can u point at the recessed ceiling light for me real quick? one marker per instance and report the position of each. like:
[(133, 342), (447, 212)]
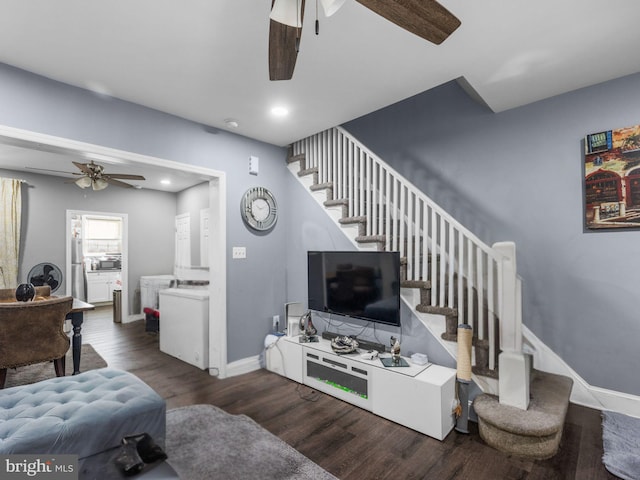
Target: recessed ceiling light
[(165, 182), (279, 111)]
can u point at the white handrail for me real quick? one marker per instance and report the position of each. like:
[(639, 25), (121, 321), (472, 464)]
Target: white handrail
[(465, 274)]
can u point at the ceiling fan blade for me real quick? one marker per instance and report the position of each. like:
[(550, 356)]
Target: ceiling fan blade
[(123, 176), (425, 18), (84, 168), (118, 183), (50, 170), (283, 48)]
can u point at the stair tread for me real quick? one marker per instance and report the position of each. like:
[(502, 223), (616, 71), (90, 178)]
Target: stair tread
[(546, 413), (370, 238), (321, 186), (415, 284), (485, 372), (350, 220), (437, 310), (308, 171), (338, 202), (296, 158)]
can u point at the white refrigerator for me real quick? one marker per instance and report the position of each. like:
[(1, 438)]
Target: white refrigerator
[(78, 274)]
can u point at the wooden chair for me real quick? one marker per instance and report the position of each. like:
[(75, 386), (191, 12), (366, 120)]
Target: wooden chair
[(32, 332)]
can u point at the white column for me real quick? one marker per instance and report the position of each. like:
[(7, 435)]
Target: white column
[(514, 366)]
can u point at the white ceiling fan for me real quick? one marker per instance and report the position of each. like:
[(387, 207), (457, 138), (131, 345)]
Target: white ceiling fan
[(93, 175)]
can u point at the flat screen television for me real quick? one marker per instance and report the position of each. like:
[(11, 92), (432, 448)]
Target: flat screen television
[(357, 284)]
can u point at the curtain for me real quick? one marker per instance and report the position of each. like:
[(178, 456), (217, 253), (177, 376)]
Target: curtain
[(11, 207)]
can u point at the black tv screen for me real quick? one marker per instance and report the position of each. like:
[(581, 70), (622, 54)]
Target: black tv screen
[(357, 284)]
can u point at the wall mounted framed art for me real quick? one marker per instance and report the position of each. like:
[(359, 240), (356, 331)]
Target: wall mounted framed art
[(612, 179)]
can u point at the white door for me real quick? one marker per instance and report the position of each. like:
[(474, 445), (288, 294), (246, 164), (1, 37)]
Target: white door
[(183, 241)]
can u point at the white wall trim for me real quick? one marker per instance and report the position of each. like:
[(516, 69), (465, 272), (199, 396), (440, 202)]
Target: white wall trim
[(217, 205), (90, 151), (582, 393), (244, 365), (124, 273), (134, 317)]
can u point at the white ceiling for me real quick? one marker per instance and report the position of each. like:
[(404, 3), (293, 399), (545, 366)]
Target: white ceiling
[(206, 60)]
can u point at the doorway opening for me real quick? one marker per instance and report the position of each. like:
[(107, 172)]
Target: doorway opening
[(97, 262), (217, 216)]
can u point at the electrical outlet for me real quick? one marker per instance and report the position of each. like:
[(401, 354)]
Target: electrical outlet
[(239, 252)]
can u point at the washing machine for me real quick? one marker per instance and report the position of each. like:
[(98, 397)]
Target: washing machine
[(150, 285), (184, 325)]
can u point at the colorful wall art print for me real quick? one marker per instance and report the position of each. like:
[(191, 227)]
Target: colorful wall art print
[(612, 179)]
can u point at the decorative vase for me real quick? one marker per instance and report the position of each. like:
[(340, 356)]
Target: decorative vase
[(25, 292)]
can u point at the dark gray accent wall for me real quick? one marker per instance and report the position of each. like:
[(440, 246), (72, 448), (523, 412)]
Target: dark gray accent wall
[(518, 176), (255, 285)]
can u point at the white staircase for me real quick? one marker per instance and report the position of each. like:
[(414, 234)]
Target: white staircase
[(448, 272)]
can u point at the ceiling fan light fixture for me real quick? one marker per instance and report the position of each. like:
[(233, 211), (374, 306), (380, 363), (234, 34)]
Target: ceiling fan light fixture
[(331, 6), (99, 184), (287, 12), (83, 182)]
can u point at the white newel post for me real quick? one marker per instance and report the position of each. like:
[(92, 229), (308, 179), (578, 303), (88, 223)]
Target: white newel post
[(514, 365)]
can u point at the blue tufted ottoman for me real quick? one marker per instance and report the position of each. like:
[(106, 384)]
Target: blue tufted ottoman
[(86, 415)]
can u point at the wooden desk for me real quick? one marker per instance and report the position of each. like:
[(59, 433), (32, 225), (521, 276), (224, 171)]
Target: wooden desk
[(76, 315)]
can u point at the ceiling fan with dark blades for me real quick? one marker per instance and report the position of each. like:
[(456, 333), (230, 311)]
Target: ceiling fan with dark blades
[(93, 175), (425, 18)]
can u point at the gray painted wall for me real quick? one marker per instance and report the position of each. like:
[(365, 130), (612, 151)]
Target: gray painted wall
[(518, 176), (255, 285), (46, 200)]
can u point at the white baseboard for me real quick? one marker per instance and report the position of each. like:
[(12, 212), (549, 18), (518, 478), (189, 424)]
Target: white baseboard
[(245, 365), (133, 318), (582, 393)]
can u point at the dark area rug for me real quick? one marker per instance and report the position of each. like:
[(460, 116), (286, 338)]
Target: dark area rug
[(621, 442), (204, 442), (89, 360)]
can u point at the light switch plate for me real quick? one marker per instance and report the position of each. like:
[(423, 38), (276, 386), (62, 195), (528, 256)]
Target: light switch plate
[(239, 252), (253, 165)]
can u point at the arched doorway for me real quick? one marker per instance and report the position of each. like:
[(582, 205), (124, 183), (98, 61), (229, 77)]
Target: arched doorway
[(603, 187), (633, 188)]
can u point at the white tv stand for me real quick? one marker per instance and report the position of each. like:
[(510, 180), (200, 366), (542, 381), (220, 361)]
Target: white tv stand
[(418, 396)]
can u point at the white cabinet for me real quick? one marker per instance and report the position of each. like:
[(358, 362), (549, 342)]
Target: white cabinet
[(100, 286), (184, 325), (417, 396), (285, 358), (423, 402)]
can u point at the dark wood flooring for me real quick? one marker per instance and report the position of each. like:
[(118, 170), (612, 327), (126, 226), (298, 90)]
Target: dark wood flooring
[(349, 442)]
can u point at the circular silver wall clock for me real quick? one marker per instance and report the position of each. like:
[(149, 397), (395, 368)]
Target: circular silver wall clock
[(259, 209)]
